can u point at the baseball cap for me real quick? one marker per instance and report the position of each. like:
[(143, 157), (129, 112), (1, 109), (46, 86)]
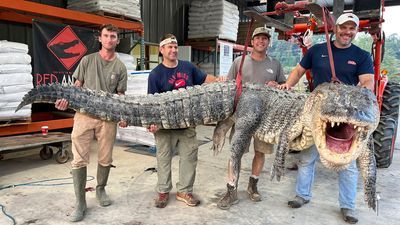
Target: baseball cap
[(347, 17), (261, 30)]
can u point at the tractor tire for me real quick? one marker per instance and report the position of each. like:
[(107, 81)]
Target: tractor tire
[(391, 100), (385, 133), (384, 140)]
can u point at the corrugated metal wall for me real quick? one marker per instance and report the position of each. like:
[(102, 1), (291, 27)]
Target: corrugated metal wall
[(165, 16)]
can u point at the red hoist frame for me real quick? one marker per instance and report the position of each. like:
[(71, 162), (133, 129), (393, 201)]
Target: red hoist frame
[(282, 7)]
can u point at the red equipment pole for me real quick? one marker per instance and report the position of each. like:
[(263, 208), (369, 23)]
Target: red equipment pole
[(328, 43), (239, 75)]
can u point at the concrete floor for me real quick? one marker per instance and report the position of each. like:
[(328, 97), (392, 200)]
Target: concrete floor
[(132, 192)]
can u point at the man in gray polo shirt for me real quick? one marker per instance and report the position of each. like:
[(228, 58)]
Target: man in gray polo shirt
[(258, 67)]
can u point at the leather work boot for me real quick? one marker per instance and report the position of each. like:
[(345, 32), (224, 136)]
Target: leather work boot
[(230, 198), (162, 200), (349, 215), (102, 178), (187, 198), (297, 202), (252, 190), (79, 178)]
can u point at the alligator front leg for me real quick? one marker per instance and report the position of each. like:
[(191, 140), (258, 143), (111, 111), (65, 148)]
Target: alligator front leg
[(367, 166), (219, 134)]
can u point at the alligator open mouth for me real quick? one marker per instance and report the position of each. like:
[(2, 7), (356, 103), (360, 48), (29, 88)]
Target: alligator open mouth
[(339, 136)]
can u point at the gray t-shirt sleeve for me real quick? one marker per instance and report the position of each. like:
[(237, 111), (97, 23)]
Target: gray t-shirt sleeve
[(280, 76), (234, 69), (123, 80), (80, 70)]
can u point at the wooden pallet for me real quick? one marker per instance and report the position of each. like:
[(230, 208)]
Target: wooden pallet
[(12, 122), (207, 39), (116, 16)]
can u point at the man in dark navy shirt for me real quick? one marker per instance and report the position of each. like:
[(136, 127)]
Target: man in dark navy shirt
[(353, 66), (169, 75)]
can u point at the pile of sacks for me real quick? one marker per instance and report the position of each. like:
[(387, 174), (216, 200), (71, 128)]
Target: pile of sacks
[(128, 60), (15, 80), (127, 8), (213, 18)]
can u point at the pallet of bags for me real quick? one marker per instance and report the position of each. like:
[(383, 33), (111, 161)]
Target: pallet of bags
[(137, 86), (115, 8), (128, 60), (213, 18), (15, 80)]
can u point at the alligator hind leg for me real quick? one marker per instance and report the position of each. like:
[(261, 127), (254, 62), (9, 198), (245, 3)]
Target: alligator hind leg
[(248, 114), (248, 117)]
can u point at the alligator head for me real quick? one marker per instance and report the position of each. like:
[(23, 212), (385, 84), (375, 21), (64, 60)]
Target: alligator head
[(342, 119)]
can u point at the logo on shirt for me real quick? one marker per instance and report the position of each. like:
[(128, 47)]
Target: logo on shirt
[(324, 56), (113, 75), (269, 70), (179, 80), (351, 62), (180, 83)]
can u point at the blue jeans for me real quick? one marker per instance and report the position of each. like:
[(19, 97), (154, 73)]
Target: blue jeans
[(305, 178)]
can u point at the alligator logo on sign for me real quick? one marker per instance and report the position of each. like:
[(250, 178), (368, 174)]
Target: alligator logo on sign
[(67, 47)]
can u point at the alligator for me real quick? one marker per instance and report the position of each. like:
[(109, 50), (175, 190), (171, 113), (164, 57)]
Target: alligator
[(329, 117)]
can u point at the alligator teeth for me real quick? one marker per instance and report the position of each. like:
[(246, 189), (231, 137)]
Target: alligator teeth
[(355, 127), (359, 129), (332, 124)]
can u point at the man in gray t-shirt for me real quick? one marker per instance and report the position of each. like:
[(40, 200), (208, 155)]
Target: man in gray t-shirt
[(262, 69), (101, 71)]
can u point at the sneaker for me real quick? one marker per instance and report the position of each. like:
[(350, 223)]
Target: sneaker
[(297, 202), (162, 200), (188, 198), (349, 215)]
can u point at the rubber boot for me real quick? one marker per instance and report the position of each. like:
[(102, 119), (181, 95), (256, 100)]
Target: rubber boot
[(252, 190), (230, 198), (79, 178), (102, 178)]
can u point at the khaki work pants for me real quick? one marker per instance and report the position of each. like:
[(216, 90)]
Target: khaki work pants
[(85, 130), (186, 142)]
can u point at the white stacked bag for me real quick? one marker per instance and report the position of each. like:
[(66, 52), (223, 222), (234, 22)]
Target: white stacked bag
[(137, 86), (213, 18), (15, 80), (128, 60), (128, 8)]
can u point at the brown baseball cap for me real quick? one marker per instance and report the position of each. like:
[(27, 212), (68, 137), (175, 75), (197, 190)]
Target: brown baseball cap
[(261, 30)]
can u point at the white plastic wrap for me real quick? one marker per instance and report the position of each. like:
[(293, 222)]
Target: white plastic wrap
[(213, 18), (14, 58), (128, 60), (9, 46), (15, 80), (128, 8), (15, 68), (137, 85)]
